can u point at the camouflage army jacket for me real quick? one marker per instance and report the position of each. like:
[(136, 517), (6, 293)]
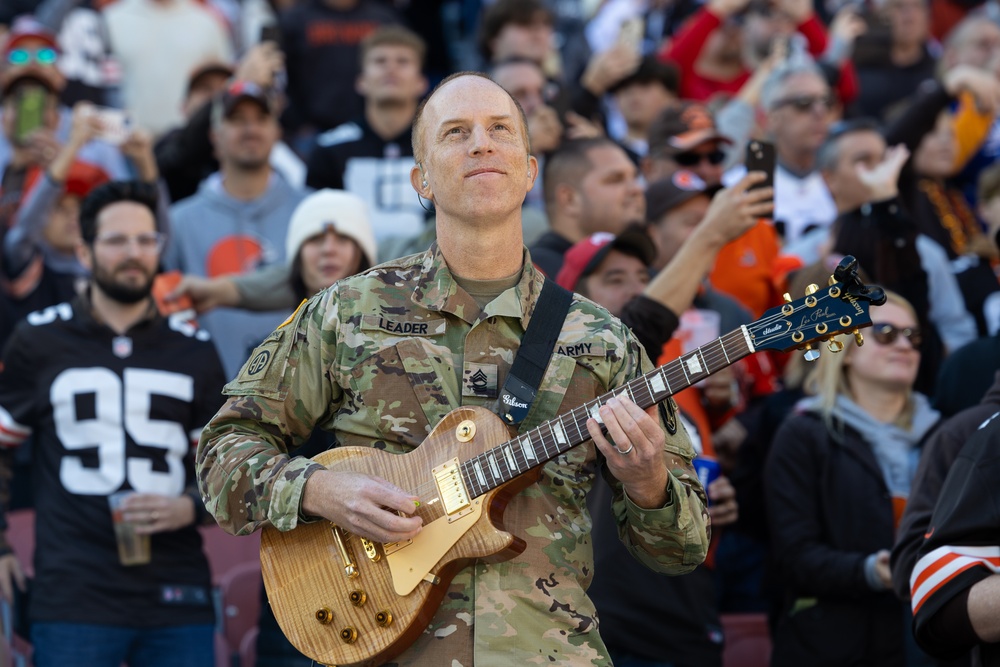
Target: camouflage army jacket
[(379, 359)]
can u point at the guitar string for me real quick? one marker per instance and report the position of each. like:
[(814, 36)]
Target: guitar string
[(672, 373)]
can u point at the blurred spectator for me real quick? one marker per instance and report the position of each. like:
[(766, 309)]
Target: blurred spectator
[(975, 41), (109, 361), (955, 582), (686, 138), (91, 71), (723, 42), (320, 39), (157, 44), (238, 220), (185, 155), (798, 106), (329, 237), (940, 453), (873, 226), (34, 123), (838, 476), (640, 98), (937, 208), (643, 618), (885, 79), (520, 29), (590, 185), (372, 155)]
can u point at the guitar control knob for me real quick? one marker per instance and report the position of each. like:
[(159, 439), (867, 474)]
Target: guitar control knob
[(324, 616), (812, 354), (349, 635), (835, 346), (384, 618), (358, 598), (858, 338)]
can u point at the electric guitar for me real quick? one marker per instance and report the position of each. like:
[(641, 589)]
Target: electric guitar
[(344, 600)]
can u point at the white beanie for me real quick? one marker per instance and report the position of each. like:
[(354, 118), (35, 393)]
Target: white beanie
[(345, 212)]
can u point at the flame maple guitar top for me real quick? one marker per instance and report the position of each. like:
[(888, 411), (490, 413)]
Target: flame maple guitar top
[(304, 569)]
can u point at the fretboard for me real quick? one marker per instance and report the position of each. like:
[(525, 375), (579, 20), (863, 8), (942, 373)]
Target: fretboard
[(543, 443)]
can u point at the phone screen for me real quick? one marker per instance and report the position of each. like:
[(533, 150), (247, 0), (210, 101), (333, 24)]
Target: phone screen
[(29, 112), (270, 33)]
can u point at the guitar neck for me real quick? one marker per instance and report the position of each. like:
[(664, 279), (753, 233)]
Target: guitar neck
[(543, 443)]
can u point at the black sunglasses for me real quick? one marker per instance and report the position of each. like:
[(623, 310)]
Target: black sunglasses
[(886, 334), (804, 103), (691, 159)]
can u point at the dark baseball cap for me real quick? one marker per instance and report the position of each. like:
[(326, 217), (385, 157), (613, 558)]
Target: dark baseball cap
[(681, 128), (239, 91), (585, 256), (669, 193)]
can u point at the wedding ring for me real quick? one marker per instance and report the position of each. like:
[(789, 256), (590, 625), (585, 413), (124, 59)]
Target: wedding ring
[(625, 451)]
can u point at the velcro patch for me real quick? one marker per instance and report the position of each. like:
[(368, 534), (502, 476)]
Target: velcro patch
[(403, 326), (479, 380), (595, 349)]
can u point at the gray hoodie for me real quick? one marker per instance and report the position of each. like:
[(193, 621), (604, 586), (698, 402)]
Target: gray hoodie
[(215, 234)]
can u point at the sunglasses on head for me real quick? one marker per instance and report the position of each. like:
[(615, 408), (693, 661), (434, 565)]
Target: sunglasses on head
[(43, 56), (886, 334), (804, 103), (691, 159)]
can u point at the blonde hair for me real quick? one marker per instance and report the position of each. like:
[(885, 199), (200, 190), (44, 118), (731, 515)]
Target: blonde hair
[(828, 378)]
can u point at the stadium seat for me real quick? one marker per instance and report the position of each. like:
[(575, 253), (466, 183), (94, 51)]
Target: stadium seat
[(248, 648), (225, 551), (240, 593), (748, 640)]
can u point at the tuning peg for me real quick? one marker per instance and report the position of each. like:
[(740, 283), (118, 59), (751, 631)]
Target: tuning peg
[(812, 288), (831, 282), (835, 346), (811, 353), (858, 338), (787, 297)]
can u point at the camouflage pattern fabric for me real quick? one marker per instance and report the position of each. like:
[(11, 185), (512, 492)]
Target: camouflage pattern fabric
[(379, 359)]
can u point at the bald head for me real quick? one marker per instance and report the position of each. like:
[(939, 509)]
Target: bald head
[(432, 103)]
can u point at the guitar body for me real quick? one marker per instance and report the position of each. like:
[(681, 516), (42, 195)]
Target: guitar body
[(304, 570)]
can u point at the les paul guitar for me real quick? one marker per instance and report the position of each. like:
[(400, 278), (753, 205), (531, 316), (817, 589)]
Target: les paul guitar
[(343, 600)]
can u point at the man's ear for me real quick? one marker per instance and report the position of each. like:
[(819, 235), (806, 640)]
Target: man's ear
[(419, 182), (532, 171)]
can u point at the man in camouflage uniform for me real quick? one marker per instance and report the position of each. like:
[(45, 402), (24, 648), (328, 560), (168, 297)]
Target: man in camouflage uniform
[(381, 357)]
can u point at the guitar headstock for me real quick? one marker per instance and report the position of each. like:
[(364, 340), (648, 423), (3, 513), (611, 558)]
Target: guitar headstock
[(820, 315)]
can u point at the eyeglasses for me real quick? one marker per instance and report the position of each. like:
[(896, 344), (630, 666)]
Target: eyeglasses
[(690, 159), (43, 56), (148, 243), (886, 334), (805, 103)]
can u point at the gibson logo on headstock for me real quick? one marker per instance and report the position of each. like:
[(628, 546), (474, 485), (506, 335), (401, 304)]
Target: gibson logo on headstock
[(854, 302)]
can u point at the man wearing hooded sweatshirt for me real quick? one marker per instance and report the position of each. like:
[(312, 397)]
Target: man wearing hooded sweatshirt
[(238, 220)]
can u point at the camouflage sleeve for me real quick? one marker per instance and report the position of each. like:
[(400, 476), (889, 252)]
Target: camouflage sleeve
[(245, 473), (674, 538)]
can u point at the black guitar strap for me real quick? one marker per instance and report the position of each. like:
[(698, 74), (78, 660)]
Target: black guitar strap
[(533, 356)]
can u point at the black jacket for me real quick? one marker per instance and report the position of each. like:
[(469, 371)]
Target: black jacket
[(828, 509)]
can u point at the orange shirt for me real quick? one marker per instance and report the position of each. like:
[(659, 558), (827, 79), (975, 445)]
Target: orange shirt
[(745, 268)]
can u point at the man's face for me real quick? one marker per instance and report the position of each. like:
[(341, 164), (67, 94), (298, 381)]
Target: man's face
[(641, 103), (244, 139), (615, 281), (32, 57), (909, 20), (675, 226), (979, 47), (857, 149), (474, 152), (525, 83), (123, 259), (391, 73), (801, 116), (532, 41), (611, 196), (62, 231), (704, 160)]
